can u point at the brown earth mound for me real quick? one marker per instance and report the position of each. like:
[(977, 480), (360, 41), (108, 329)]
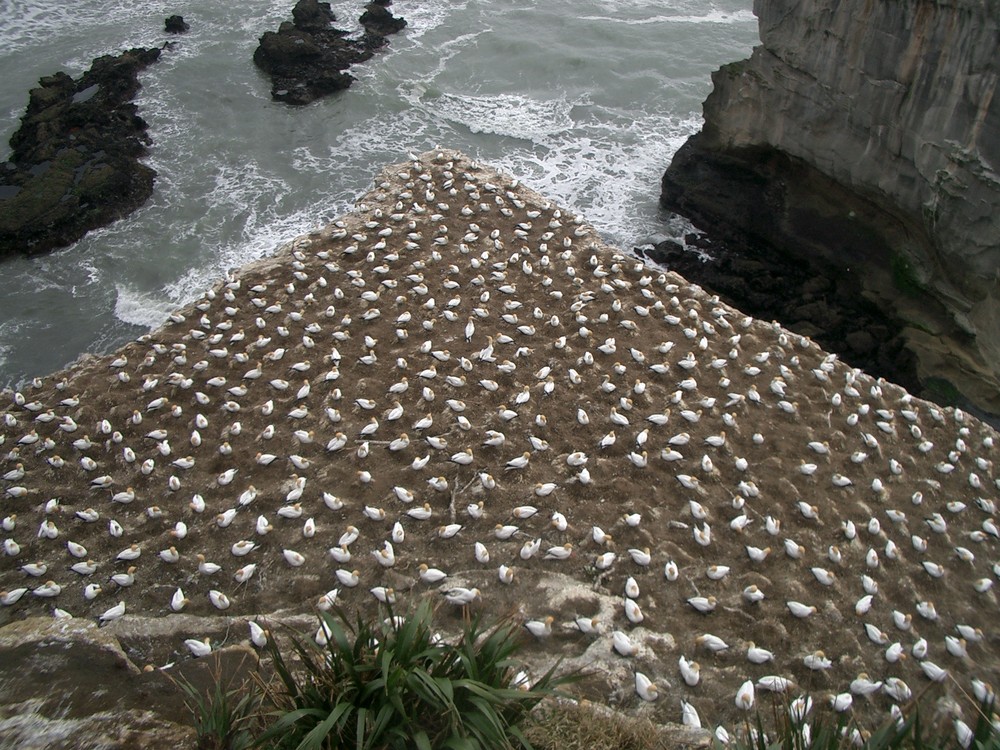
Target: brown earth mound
[(460, 375)]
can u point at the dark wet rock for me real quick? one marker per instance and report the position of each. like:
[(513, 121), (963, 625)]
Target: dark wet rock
[(812, 298), (176, 25), (308, 58), (866, 133), (378, 20), (313, 16), (74, 164)]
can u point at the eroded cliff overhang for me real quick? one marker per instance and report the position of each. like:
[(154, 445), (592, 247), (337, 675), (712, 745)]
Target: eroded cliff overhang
[(892, 105)]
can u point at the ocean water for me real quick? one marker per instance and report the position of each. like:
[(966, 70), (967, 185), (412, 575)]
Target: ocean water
[(585, 100)]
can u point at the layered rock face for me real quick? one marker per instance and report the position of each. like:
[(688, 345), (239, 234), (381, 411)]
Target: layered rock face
[(867, 133)]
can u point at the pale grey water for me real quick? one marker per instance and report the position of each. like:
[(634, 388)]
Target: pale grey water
[(585, 100)]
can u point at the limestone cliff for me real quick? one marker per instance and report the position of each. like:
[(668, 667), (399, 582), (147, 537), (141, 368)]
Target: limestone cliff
[(868, 132)]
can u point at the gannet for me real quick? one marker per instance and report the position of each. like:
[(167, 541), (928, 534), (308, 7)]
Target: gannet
[(113, 613), (745, 696), (623, 644), (689, 715), (258, 636), (645, 687), (462, 596), (540, 628), (690, 671), (198, 648)]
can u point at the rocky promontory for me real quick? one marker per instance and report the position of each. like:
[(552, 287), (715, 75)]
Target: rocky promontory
[(74, 164), (308, 58), (457, 392), (865, 135)]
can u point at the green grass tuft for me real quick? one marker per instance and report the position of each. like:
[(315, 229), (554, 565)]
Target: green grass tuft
[(794, 728), (396, 684), (224, 713)]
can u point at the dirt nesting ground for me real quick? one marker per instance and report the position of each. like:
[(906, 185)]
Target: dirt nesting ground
[(371, 391)]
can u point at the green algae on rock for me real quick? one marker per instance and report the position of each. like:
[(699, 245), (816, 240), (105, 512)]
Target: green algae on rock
[(75, 164)]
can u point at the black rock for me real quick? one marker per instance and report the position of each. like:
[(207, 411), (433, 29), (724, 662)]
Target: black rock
[(74, 164), (309, 57), (176, 25), (378, 20), (810, 298), (313, 16)]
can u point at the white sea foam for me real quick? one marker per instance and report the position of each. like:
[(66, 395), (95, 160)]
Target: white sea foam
[(422, 16), (504, 114), (378, 141), (264, 16), (140, 309), (26, 23), (261, 241), (92, 271), (240, 175), (10, 337), (605, 170), (714, 16), (413, 85)]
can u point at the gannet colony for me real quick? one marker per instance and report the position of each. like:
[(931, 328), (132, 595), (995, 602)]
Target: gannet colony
[(458, 391)]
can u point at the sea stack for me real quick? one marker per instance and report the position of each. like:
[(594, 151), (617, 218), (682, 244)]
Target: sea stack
[(176, 25), (309, 57)]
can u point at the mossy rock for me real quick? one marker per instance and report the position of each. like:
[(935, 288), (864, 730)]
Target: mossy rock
[(74, 164), (904, 277)]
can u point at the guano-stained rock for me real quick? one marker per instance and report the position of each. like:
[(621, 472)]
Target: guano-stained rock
[(68, 684), (460, 376)]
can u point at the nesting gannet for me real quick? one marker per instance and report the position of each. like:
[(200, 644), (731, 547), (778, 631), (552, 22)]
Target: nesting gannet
[(758, 655), (461, 596), (745, 696), (623, 644), (114, 613), (645, 687), (641, 557), (198, 648), (800, 610), (703, 604), (540, 628), (258, 635), (690, 671), (689, 715), (711, 642)]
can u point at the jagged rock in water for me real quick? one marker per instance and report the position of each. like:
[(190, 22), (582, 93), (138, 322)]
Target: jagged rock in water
[(308, 59), (75, 164), (815, 299), (379, 21), (313, 16), (866, 133), (176, 25)]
